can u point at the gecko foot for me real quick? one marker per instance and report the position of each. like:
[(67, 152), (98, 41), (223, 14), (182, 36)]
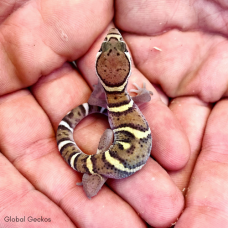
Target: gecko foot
[(98, 96), (92, 184), (143, 95)]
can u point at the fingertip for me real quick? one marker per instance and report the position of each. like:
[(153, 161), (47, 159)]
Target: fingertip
[(152, 194), (170, 143)]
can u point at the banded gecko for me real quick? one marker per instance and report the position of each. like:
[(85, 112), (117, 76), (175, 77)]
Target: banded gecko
[(131, 147)]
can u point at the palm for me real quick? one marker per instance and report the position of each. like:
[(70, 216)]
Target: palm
[(37, 39)]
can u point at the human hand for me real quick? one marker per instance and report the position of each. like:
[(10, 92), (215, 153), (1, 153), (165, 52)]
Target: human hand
[(191, 70), (32, 48)]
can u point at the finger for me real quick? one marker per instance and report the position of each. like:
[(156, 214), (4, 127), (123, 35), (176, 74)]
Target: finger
[(151, 193), (20, 202), (207, 201), (113, 211), (37, 39), (180, 62), (192, 114), (181, 74), (6, 8), (137, 16)]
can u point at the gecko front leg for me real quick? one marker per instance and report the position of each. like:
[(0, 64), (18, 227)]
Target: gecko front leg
[(143, 95)]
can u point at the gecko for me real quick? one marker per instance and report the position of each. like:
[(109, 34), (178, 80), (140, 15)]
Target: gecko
[(123, 149)]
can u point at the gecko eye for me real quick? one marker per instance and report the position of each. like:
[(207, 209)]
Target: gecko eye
[(106, 39), (123, 47), (104, 47)]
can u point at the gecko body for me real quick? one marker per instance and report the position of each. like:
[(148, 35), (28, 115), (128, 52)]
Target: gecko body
[(132, 143)]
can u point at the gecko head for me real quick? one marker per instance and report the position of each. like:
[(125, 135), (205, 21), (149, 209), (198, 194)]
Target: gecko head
[(113, 64)]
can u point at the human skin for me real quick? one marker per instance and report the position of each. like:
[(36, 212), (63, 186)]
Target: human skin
[(179, 48)]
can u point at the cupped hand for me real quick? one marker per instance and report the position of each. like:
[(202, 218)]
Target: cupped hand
[(185, 61), (181, 46)]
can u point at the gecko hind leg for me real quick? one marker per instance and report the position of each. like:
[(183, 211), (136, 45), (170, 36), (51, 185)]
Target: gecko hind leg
[(93, 183)]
